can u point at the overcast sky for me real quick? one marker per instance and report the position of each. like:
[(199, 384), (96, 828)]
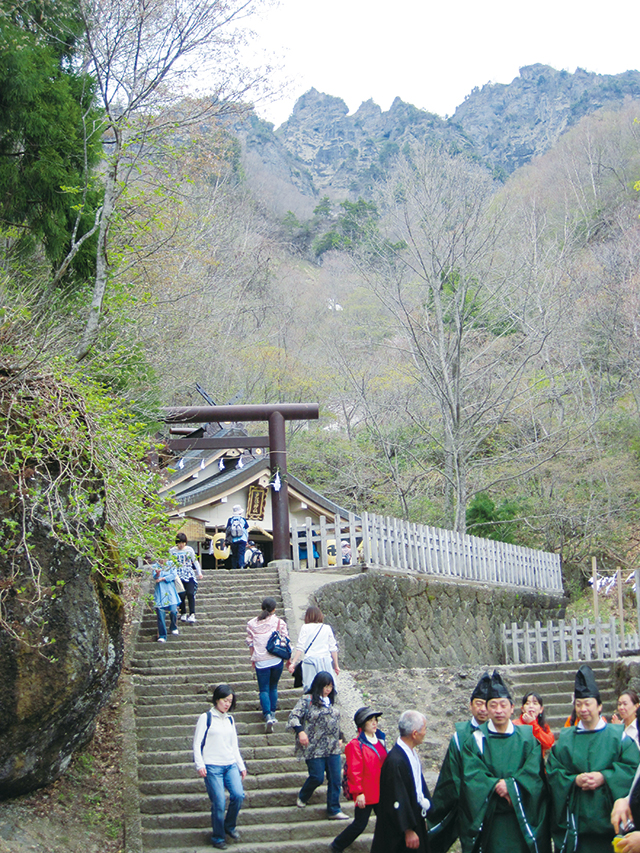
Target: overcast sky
[(433, 54)]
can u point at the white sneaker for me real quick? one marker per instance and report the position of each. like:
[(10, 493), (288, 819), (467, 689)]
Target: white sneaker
[(192, 617), (300, 804), (161, 640), (338, 816), (175, 631), (184, 617)]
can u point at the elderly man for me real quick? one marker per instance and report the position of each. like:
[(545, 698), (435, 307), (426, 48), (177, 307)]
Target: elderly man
[(591, 765), (444, 812), (404, 796)]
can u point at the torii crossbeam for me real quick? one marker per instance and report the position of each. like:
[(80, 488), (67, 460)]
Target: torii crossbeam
[(276, 415)]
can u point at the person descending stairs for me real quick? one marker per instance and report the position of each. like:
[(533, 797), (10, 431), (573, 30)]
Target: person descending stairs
[(173, 684)]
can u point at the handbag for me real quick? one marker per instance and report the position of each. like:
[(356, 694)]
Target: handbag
[(297, 670), (178, 585), (279, 645)]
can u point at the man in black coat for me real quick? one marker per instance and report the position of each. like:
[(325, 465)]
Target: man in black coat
[(404, 796)]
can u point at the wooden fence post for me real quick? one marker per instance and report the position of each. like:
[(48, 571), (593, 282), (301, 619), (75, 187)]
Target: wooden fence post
[(620, 606)]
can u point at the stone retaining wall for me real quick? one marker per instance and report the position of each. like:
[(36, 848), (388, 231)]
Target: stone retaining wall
[(387, 619)]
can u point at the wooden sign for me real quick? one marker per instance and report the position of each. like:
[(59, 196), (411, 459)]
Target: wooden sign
[(256, 503)]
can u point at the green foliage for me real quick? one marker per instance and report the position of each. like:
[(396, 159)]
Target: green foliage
[(355, 226), (74, 454), (486, 520), (50, 134)]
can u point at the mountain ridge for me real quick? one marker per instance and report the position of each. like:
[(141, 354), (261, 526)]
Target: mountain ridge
[(321, 149)]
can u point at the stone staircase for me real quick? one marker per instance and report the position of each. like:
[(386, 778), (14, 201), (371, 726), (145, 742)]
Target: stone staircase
[(173, 683), (555, 682)]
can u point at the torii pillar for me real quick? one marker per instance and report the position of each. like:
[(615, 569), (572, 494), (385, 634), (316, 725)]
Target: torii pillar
[(276, 415)]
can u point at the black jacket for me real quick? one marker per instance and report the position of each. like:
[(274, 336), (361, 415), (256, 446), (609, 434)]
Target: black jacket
[(398, 809)]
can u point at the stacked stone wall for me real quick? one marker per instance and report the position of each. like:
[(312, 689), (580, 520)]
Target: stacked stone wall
[(384, 620)]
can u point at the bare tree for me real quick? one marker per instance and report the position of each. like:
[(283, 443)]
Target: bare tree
[(465, 308), (142, 53)]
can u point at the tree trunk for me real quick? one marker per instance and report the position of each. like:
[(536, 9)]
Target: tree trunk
[(102, 263)]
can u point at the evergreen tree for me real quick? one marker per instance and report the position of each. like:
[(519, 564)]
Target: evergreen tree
[(50, 134)]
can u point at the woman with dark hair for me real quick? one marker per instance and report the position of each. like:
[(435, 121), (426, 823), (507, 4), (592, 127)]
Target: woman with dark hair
[(218, 761), (316, 647), (316, 722), (188, 567), (532, 714), (628, 706), (268, 667), (365, 755)]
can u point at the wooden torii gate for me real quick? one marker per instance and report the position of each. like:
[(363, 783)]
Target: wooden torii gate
[(275, 415)]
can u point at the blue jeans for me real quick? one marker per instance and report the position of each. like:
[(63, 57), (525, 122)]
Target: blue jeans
[(268, 678), (162, 625), (332, 764), (217, 779)]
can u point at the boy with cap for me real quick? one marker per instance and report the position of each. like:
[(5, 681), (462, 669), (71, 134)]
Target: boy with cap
[(503, 797), (591, 765), (444, 813), (365, 755)]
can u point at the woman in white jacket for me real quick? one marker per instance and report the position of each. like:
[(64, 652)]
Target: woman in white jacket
[(268, 667), (317, 645), (218, 761)]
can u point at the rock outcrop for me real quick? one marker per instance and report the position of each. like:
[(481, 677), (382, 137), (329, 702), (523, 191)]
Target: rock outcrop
[(508, 124), (322, 150), (61, 643)]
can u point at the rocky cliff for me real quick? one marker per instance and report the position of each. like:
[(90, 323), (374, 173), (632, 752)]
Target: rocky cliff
[(61, 617), (322, 150)]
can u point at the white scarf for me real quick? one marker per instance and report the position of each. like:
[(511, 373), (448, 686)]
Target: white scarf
[(414, 760)]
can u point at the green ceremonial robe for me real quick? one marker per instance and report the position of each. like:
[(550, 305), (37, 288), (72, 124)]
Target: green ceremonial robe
[(488, 823), (443, 816), (581, 819)]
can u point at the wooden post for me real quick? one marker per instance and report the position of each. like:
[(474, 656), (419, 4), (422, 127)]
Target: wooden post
[(637, 574), (594, 574), (620, 606)]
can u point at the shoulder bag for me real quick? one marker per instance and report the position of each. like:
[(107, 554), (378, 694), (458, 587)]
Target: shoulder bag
[(297, 670), (279, 645)]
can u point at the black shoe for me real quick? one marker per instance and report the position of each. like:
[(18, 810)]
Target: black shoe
[(220, 845), (233, 833)]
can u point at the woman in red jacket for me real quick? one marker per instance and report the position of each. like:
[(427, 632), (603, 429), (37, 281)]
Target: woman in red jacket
[(364, 754), (533, 715)]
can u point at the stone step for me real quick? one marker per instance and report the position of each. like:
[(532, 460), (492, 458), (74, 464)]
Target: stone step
[(190, 802), (208, 668), (180, 738), (266, 836), (244, 680), (199, 704), (182, 766), (192, 784), (270, 746), (173, 725), (295, 844), (315, 811), (148, 694)]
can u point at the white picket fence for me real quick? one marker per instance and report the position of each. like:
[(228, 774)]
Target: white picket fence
[(565, 641), (390, 542)]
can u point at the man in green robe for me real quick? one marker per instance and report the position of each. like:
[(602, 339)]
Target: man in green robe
[(503, 796), (591, 765), (443, 815)]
